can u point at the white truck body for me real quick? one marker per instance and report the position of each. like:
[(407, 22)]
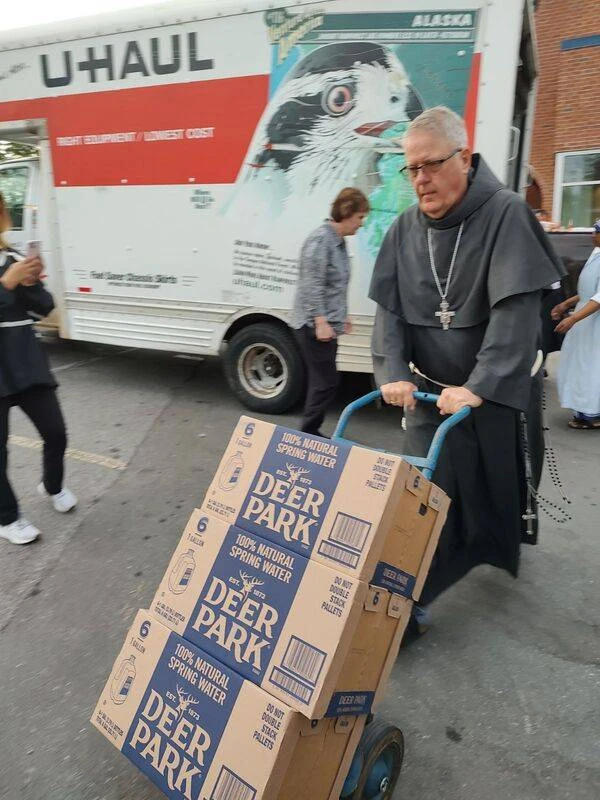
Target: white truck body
[(188, 148)]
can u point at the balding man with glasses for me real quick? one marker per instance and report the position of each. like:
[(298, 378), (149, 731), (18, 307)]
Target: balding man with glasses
[(458, 285)]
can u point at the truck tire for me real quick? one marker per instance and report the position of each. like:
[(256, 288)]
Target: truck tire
[(264, 368)]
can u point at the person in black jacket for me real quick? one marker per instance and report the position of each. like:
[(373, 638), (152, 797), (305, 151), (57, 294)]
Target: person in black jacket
[(26, 381)]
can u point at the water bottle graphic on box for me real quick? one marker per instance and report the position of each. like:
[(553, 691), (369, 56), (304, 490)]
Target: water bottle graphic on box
[(230, 474), (181, 574), (123, 681)]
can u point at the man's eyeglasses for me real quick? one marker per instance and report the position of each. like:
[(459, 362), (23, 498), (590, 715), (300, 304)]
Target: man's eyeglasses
[(430, 166)]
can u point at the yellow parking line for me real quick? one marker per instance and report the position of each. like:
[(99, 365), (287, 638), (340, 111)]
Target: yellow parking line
[(76, 455)]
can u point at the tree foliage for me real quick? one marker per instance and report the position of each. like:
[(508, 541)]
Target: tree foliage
[(12, 150)]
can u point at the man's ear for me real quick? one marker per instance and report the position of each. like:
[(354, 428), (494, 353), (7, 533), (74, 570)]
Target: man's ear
[(465, 156)]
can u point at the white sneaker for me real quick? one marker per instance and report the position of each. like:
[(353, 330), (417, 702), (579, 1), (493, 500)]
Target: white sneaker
[(19, 532), (64, 501)]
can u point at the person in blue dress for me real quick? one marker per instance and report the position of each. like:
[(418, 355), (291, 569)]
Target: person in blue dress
[(579, 368)]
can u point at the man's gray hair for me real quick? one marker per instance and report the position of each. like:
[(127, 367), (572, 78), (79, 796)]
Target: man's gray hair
[(441, 121)]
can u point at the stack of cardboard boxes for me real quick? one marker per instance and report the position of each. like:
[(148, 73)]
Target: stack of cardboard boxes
[(277, 622)]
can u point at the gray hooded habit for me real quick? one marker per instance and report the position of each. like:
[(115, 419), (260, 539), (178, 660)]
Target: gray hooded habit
[(503, 262)]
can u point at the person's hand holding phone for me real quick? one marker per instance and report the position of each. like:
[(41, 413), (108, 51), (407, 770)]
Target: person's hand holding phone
[(33, 255), (34, 271), (22, 273)]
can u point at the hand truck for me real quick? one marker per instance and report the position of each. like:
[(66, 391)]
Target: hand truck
[(376, 765)]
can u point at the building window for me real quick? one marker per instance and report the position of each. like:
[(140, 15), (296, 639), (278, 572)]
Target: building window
[(13, 185), (577, 194)]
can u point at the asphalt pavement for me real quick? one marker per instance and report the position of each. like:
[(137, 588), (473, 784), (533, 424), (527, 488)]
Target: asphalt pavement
[(500, 699)]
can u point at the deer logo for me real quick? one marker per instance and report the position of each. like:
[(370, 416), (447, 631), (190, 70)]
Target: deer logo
[(184, 702), (296, 473), (248, 583)]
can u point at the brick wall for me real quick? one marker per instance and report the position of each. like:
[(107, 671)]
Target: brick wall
[(567, 113)]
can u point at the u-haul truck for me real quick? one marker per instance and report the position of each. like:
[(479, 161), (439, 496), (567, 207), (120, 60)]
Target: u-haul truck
[(187, 149)]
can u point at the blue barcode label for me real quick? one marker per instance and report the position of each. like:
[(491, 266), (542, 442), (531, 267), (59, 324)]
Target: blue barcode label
[(304, 660), (350, 531), (292, 686), (339, 554), (230, 786), (300, 669)]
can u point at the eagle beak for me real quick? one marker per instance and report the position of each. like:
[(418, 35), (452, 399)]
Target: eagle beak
[(374, 128)]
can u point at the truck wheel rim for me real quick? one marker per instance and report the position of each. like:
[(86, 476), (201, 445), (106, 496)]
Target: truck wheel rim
[(262, 370)]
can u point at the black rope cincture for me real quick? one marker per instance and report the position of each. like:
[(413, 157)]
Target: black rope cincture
[(556, 511)]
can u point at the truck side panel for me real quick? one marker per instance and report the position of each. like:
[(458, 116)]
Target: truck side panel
[(191, 160)]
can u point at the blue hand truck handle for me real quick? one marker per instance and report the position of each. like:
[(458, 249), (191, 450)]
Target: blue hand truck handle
[(428, 464)]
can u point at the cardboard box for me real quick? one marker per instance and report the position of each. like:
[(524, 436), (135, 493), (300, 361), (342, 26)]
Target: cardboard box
[(368, 513), (322, 758), (199, 730), (312, 636)]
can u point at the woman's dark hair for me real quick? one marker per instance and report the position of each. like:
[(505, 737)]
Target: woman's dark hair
[(349, 202)]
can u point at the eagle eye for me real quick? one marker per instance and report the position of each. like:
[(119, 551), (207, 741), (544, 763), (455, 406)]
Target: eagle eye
[(338, 100)]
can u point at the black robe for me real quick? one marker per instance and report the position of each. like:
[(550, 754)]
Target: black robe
[(503, 262)]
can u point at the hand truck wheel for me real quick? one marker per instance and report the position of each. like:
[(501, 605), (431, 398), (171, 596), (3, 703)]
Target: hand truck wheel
[(377, 763)]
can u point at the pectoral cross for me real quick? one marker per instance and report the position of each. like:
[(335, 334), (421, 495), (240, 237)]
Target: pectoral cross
[(445, 314)]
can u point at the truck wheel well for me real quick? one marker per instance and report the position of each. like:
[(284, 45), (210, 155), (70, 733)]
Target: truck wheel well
[(252, 319)]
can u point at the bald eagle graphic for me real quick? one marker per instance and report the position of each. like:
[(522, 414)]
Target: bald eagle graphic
[(322, 130)]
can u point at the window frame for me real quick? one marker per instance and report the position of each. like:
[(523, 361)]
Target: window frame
[(5, 167), (559, 184)]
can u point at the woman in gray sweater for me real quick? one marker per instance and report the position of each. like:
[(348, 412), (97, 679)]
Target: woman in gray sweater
[(321, 304)]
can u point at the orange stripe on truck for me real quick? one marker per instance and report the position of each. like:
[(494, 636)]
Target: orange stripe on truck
[(196, 132)]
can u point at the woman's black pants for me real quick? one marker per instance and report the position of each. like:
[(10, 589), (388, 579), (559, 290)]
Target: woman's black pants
[(41, 406), (323, 378)]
